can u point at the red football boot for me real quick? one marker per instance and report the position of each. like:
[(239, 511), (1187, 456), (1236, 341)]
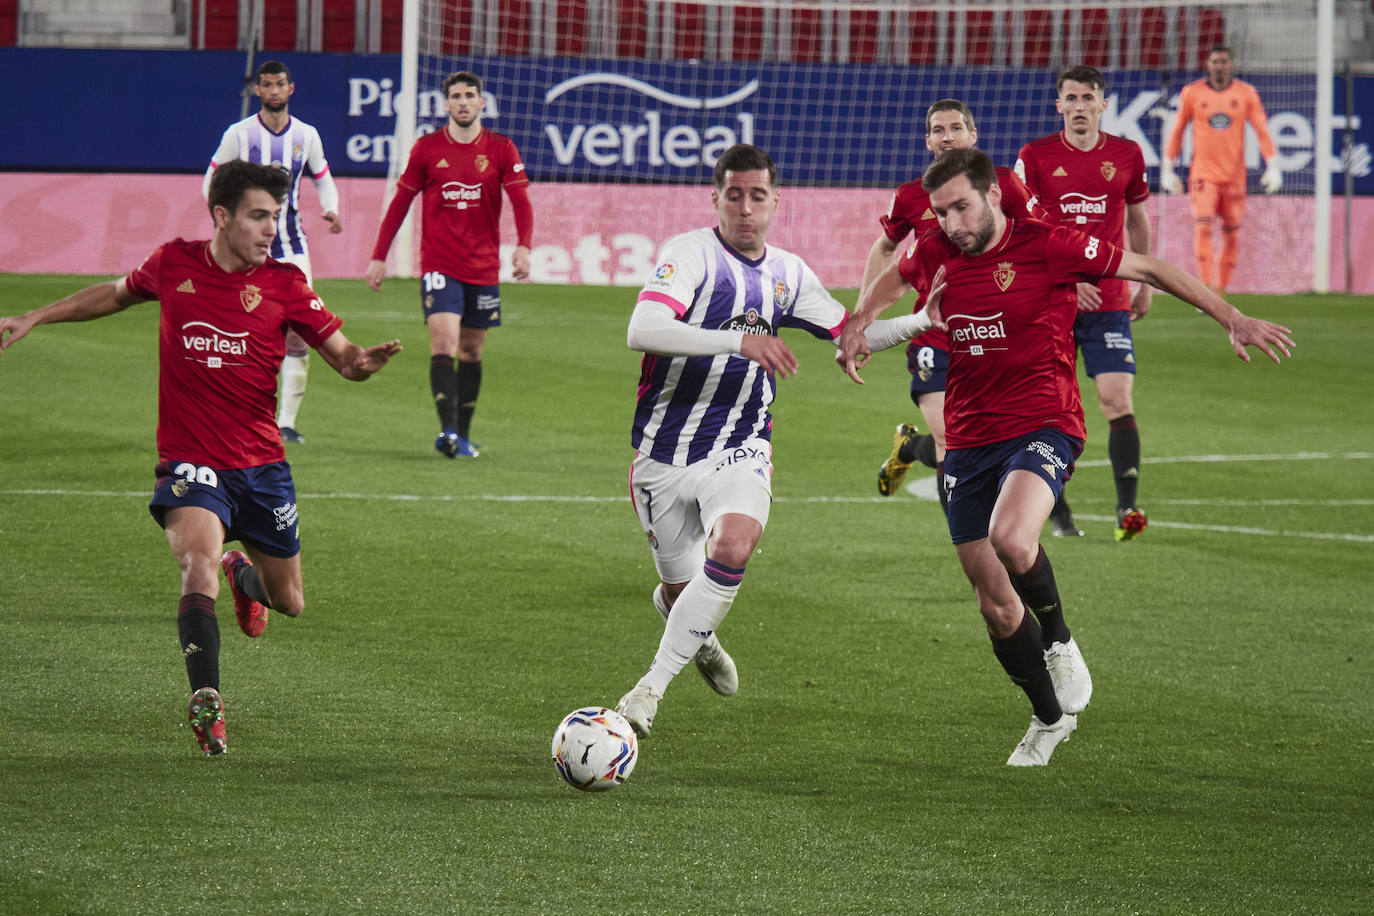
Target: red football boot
[(252, 615)]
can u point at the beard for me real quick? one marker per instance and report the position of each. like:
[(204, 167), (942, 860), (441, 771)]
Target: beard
[(976, 241), (274, 107)]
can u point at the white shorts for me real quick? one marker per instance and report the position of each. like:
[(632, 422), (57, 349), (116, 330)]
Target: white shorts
[(302, 261), (677, 506)]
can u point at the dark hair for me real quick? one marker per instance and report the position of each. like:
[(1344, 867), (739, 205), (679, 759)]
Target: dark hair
[(472, 79), (1221, 49), (950, 105), (971, 162), (270, 67), (237, 177), (745, 157), (1088, 76)]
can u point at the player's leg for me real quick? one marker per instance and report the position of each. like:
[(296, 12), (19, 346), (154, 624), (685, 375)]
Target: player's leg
[(927, 366), (932, 407), (267, 572), (1232, 212), (294, 369), (1109, 360), (1205, 200), (196, 537), (481, 313)]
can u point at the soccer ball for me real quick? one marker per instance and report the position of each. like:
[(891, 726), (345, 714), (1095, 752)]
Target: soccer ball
[(594, 749)]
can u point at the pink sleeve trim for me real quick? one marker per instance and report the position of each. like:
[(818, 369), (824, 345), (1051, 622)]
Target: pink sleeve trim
[(678, 308)]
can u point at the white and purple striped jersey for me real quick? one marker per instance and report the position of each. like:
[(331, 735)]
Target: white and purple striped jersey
[(692, 408), (297, 150)]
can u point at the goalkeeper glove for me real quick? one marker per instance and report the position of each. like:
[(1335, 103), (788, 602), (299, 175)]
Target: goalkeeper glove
[(1168, 181), (1272, 179)]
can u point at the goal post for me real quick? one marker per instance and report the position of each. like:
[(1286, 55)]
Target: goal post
[(618, 106)]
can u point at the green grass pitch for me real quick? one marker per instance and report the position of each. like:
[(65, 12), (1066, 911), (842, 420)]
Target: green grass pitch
[(389, 749)]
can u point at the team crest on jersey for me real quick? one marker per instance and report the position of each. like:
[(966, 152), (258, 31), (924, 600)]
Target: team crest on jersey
[(250, 297), (780, 295), (1108, 171), (1004, 274), (751, 322), (481, 162), (298, 152), (1219, 121)]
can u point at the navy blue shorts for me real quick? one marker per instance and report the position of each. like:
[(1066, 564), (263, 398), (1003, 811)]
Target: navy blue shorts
[(479, 306), (927, 366), (974, 476), (256, 505), (1105, 339)]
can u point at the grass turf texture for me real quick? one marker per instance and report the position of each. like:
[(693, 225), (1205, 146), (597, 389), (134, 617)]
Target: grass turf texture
[(389, 749)]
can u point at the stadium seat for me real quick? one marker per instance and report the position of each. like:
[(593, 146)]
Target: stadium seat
[(689, 32), (514, 29), (863, 36)]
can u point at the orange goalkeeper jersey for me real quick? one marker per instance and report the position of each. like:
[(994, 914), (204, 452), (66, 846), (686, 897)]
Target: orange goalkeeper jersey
[(1218, 120)]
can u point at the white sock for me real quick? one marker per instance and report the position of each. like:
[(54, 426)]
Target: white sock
[(697, 612), (293, 372)]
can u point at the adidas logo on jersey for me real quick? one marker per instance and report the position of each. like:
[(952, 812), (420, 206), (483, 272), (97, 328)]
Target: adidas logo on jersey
[(1060, 173), (929, 214), (186, 286), (441, 164)]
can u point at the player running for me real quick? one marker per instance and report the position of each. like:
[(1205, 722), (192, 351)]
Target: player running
[(273, 137), (221, 472), (1014, 420), (1218, 108), (1096, 182), (461, 171)]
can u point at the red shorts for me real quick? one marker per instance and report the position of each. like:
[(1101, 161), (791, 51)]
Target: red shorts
[(1211, 200)]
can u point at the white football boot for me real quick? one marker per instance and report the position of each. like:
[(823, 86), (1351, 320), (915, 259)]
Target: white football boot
[(1073, 685), (1041, 740), (639, 707)]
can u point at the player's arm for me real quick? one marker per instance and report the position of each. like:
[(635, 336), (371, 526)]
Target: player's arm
[(92, 302), (876, 298), (654, 328), (355, 363), (1272, 179), (523, 212), (227, 151), (1139, 238), (1243, 330), (386, 233), (879, 257)]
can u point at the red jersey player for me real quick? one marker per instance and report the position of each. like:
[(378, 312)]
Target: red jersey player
[(221, 475), (461, 171), (1218, 109), (1013, 417), (949, 125), (1096, 182)]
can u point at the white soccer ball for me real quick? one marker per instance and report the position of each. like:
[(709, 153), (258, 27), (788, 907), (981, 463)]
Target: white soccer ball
[(594, 749)]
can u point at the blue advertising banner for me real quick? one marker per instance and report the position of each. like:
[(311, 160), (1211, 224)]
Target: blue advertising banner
[(603, 120)]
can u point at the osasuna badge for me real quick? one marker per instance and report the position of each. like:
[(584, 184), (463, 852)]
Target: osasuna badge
[(251, 297), (1004, 274), (180, 488), (481, 162), (1108, 171)]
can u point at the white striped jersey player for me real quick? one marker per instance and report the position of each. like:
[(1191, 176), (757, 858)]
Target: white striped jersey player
[(296, 149), (692, 408)]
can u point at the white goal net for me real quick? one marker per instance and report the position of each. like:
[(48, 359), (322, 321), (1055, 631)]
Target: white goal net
[(620, 108)]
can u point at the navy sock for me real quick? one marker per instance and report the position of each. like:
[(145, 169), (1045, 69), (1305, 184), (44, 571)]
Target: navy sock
[(248, 580), (199, 632), (1023, 659), (443, 385), (469, 384), (1040, 592), (1123, 447)]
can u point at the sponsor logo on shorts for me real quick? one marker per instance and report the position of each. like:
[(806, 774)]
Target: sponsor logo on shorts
[(1045, 451), (743, 453), (285, 515), (486, 302), (1115, 340)]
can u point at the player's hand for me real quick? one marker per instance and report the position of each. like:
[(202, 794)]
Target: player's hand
[(934, 299), (1089, 297), (770, 352), (376, 270), (335, 224), (371, 360), (1246, 331), (12, 330), (520, 262), (1272, 179), (1168, 181), (854, 353), (1140, 302)]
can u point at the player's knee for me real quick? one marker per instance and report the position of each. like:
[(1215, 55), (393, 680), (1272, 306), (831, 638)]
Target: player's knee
[(1017, 553), (290, 601)]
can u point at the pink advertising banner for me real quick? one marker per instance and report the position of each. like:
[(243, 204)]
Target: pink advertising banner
[(592, 233)]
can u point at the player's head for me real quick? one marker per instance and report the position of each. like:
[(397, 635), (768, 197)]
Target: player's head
[(463, 98), (949, 125), (965, 196), (245, 199), (273, 85), (1221, 64), (745, 197), (1082, 99)]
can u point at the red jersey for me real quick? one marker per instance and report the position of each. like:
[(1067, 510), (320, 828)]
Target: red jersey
[(460, 229), (221, 341), (1218, 118), (1010, 314), (910, 211), (1088, 190)]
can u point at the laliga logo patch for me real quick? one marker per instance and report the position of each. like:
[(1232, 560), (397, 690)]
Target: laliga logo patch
[(780, 295), (1003, 275), (250, 297), (1108, 171), (665, 271)]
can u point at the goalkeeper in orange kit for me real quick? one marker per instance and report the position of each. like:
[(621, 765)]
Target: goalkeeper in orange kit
[(1218, 108)]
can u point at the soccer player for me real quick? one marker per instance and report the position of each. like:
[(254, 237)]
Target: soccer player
[(274, 138), (461, 170), (1218, 108), (1096, 182), (949, 125), (1013, 417), (221, 472), (707, 321)]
